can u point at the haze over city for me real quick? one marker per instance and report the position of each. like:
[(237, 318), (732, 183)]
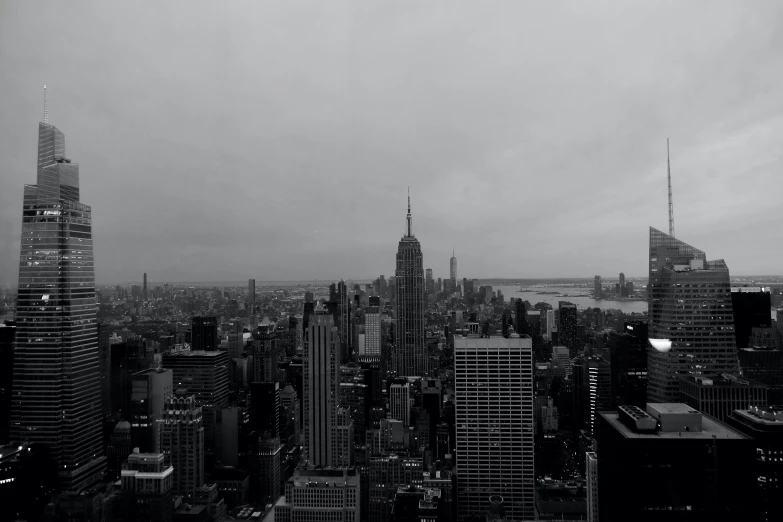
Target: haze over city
[(277, 141)]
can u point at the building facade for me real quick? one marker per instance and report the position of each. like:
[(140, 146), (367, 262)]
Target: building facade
[(494, 424), (409, 355), (321, 494), (57, 389), (691, 316), (181, 441)]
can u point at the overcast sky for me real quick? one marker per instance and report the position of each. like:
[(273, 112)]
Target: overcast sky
[(276, 140)]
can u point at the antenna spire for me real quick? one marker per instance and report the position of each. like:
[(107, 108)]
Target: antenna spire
[(46, 108), (410, 233), (671, 205)]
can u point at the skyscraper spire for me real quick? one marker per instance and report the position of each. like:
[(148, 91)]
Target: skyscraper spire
[(410, 231), (46, 108), (671, 205)]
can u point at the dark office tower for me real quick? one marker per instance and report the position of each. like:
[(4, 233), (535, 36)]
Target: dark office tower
[(751, 309), (453, 268), (429, 283), (56, 389), (520, 318), (622, 285), (149, 389), (670, 462), (597, 292), (628, 365), (265, 408), (205, 376), (597, 384), (308, 297), (344, 321), (691, 316), (321, 388), (204, 333), (765, 426), (567, 327), (144, 288), (265, 353), (431, 400), (251, 296), (181, 440), (408, 357)]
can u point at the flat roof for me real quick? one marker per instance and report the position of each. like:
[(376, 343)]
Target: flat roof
[(670, 407), (709, 428), (749, 417), (193, 353), (493, 342)]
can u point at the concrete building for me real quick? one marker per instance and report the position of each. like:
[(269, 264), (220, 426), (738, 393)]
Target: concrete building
[(372, 327), (400, 402), (149, 389), (321, 494), (147, 485), (682, 466), (719, 395), (181, 441), (494, 424)]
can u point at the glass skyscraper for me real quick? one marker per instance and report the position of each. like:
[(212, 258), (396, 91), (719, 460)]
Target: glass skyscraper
[(409, 359), (56, 396), (691, 316)]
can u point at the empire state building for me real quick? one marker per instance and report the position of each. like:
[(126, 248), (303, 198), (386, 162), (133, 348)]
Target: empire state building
[(408, 357)]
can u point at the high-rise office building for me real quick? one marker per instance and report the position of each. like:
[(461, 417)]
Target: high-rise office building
[(149, 389), (691, 316), (453, 268), (751, 310), (409, 357), (521, 325), (7, 337), (623, 289), (204, 333), (432, 401), (372, 327), (764, 424), (251, 297), (429, 283), (592, 486), (566, 329), (181, 440), (494, 424), (597, 290), (144, 293), (321, 494), (682, 466), (597, 384), (265, 408), (321, 388), (343, 321), (628, 365), (265, 352), (400, 402), (57, 390)]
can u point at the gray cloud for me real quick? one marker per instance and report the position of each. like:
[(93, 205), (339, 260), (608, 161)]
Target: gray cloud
[(276, 140)]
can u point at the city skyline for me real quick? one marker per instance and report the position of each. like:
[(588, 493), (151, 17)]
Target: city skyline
[(330, 126)]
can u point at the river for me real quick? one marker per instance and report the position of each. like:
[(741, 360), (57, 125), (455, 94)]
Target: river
[(512, 292)]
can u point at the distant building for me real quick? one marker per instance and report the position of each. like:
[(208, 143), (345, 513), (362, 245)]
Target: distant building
[(751, 309), (494, 424), (688, 296), (251, 297), (597, 290), (321, 494), (719, 395), (591, 477), (409, 350), (399, 402), (683, 466), (181, 441), (204, 333), (372, 327), (566, 330)]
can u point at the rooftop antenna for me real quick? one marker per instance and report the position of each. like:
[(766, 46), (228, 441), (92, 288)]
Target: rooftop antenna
[(46, 108), (410, 234), (671, 205)]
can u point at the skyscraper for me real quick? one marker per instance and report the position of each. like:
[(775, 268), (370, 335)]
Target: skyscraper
[(344, 321), (429, 286), (453, 268), (623, 289), (56, 391), (372, 327), (181, 440), (494, 424), (204, 333), (691, 316), (597, 292), (144, 288), (566, 330), (409, 279), (321, 384), (251, 297)]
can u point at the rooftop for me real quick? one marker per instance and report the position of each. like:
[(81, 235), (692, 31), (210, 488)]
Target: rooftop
[(770, 416), (710, 427), (196, 353)]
